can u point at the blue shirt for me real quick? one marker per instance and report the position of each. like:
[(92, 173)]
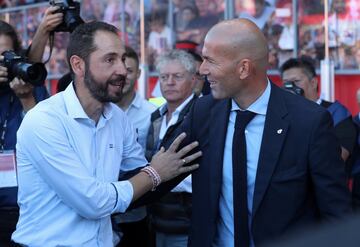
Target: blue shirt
[(139, 113), (68, 167), (253, 134), (8, 196)]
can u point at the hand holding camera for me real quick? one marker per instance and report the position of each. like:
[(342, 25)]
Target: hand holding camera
[(16, 66), (53, 17), (21, 89), (3, 72), (71, 14)]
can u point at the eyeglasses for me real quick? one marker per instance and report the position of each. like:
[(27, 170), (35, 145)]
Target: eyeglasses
[(178, 77)]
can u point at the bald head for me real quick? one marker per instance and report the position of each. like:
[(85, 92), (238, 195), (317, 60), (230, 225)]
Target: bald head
[(241, 39)]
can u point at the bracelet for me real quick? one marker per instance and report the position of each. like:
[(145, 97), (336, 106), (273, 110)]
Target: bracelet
[(154, 175)]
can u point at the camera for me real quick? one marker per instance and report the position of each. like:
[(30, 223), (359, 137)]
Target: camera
[(71, 11), (292, 88), (33, 73)]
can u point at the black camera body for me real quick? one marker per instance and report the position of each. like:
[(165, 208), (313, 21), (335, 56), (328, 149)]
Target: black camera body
[(71, 12), (33, 73), (292, 88)]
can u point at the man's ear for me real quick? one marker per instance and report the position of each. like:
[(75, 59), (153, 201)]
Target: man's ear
[(314, 83), (244, 68), (138, 74), (78, 65)]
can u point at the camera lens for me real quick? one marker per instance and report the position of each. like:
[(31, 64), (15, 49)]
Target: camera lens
[(32, 73)]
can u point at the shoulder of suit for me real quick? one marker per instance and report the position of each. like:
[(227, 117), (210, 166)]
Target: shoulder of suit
[(207, 101), (298, 104)]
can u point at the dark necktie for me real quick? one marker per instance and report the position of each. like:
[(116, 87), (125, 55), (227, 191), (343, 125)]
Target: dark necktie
[(241, 229)]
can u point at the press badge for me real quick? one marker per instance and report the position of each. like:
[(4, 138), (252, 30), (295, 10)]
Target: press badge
[(7, 169)]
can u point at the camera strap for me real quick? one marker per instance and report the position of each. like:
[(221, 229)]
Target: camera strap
[(51, 46), (5, 123)]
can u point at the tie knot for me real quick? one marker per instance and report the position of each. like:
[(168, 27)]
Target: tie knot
[(243, 118)]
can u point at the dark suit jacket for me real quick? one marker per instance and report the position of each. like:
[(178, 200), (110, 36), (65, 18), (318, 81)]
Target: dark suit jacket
[(300, 177), (344, 233)]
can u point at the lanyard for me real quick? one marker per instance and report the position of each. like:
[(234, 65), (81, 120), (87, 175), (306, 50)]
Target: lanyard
[(5, 123)]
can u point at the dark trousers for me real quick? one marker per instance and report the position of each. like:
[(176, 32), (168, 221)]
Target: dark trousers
[(8, 219), (135, 234)]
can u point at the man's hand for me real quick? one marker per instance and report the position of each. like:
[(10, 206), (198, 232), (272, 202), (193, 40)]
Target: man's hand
[(50, 20), (170, 163), (24, 91), (20, 88), (3, 72)]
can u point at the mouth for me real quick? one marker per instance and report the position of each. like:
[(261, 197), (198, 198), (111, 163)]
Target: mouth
[(119, 81)]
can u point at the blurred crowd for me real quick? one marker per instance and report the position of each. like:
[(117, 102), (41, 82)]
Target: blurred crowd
[(191, 19)]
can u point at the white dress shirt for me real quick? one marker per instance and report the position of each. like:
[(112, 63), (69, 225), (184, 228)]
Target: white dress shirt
[(68, 168), (185, 185), (139, 113), (253, 135)]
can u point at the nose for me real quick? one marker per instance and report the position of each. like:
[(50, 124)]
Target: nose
[(203, 70), (170, 80), (121, 69)]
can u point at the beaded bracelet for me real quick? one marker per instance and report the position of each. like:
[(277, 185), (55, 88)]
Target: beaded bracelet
[(154, 175)]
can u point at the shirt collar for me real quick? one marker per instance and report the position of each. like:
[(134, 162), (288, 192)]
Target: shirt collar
[(74, 107), (260, 105), (136, 101), (163, 109)]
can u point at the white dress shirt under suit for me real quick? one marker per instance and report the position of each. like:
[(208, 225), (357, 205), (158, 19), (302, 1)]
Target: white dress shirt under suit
[(253, 134)]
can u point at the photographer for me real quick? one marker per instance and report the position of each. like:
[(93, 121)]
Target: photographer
[(301, 73), (16, 98)]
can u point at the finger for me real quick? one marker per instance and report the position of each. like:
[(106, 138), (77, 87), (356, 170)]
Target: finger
[(52, 9), (192, 157), (1, 57), (161, 150), (3, 79), (55, 17), (182, 152), (54, 23), (188, 168), (22, 83), (14, 83), (176, 143)]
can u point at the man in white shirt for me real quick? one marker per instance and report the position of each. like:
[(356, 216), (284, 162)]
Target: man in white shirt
[(133, 223), (72, 147), (170, 216)]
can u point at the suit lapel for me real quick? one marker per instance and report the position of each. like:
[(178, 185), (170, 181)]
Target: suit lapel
[(218, 128), (275, 131)]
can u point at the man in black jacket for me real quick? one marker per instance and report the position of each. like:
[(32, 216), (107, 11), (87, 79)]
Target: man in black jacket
[(170, 216)]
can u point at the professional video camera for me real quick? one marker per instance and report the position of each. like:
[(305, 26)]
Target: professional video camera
[(71, 11), (33, 73), (292, 88)]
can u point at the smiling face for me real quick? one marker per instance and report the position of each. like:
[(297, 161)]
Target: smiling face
[(105, 71), (220, 70)]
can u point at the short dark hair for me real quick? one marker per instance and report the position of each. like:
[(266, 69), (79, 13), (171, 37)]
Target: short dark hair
[(81, 41), (7, 30), (304, 63), (131, 53)]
